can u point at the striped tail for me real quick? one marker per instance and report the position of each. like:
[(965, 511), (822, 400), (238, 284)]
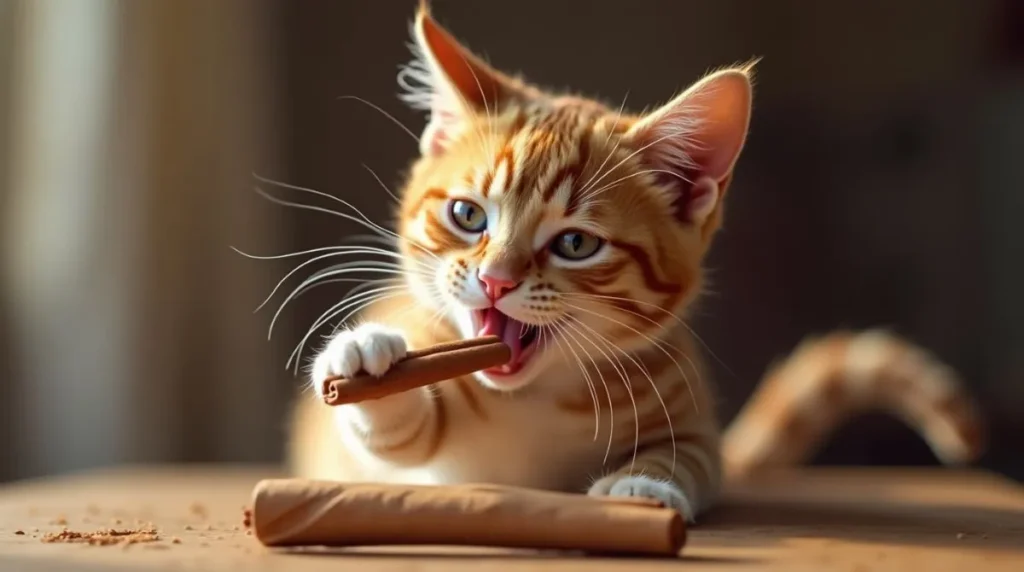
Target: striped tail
[(828, 380)]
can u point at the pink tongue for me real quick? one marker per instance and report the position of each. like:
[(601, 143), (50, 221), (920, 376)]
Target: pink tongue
[(509, 329)]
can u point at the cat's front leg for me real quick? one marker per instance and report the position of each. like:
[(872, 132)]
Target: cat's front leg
[(398, 428), (686, 477)]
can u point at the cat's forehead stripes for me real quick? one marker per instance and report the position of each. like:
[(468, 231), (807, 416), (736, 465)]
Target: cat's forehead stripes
[(543, 158)]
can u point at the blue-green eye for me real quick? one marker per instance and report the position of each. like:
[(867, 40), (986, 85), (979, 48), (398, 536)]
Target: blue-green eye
[(575, 245), (468, 216)]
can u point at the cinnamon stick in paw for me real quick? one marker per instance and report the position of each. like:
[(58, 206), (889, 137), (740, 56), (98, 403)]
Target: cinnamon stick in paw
[(419, 368), (297, 512)]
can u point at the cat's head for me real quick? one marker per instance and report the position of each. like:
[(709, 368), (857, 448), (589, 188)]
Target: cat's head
[(570, 228)]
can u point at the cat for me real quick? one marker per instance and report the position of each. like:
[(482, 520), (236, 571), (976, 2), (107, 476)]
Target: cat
[(577, 233)]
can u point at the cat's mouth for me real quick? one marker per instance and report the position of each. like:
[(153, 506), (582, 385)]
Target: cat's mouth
[(520, 337)]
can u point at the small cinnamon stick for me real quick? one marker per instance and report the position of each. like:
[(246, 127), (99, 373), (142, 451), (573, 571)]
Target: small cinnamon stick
[(419, 368), (296, 512)]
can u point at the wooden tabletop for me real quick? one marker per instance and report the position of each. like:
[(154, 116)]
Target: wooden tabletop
[(860, 519)]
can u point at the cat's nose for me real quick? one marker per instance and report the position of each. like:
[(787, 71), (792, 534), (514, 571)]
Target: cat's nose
[(495, 284)]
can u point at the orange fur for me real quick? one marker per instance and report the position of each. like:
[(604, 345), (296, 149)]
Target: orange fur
[(616, 400)]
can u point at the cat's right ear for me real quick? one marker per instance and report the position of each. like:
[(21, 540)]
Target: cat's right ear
[(450, 83)]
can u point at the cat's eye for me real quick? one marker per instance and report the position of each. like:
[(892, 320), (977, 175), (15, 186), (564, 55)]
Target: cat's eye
[(468, 216), (575, 245)]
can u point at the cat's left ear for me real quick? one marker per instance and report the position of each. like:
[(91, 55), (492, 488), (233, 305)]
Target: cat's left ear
[(451, 83), (694, 140)]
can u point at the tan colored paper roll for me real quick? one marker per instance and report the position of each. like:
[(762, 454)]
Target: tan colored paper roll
[(296, 512)]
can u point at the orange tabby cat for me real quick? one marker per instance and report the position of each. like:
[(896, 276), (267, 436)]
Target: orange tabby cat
[(577, 233)]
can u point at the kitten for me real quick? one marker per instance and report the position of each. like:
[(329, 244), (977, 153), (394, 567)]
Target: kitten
[(577, 232)]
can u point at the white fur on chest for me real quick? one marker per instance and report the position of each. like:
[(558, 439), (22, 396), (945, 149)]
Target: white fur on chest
[(523, 441)]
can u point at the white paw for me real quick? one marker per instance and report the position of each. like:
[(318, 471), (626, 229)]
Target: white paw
[(645, 487), (370, 348)]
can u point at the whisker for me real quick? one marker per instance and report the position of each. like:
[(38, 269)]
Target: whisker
[(381, 183), (337, 251), (657, 393), (361, 300), (586, 375), (615, 148), (487, 107), (656, 343), (309, 282), (631, 155), (363, 220), (384, 113), (600, 190), (675, 317), (593, 393), (611, 406), (620, 369)]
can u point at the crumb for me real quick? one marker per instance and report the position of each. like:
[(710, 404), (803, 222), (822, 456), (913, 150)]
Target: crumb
[(247, 518), (218, 537), (198, 510), (117, 521), (204, 544), (19, 533), (248, 533), (175, 540), (103, 537), (61, 520), (209, 527), (188, 527), (35, 529), (235, 528)]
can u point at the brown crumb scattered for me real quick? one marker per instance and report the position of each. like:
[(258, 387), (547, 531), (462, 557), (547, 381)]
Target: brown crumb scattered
[(103, 537), (61, 520), (209, 527), (117, 521), (218, 537), (198, 510), (175, 540), (248, 533), (247, 518), (19, 532), (188, 527)]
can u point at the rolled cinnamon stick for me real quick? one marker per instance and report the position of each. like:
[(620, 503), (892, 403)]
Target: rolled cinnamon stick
[(296, 512), (419, 368)]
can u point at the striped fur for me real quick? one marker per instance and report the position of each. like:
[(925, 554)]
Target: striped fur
[(614, 400)]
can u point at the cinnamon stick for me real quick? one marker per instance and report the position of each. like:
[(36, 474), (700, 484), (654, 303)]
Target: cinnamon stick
[(419, 368), (296, 512)]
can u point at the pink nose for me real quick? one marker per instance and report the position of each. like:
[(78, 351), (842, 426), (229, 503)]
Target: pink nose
[(496, 286)]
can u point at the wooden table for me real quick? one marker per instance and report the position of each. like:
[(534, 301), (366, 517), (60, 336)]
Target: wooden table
[(917, 520)]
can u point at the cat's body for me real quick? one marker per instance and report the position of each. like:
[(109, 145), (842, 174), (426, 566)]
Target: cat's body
[(577, 233)]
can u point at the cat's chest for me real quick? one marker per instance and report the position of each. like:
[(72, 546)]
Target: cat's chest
[(518, 441)]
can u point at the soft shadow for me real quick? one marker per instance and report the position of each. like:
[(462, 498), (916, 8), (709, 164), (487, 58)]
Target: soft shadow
[(463, 554)]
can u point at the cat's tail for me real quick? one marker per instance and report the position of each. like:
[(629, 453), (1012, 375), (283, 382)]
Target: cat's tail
[(828, 380)]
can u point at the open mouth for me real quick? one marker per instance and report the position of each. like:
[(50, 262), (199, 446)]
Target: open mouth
[(519, 336)]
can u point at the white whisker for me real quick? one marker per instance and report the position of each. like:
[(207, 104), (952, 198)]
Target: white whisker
[(621, 370), (384, 113), (656, 343)]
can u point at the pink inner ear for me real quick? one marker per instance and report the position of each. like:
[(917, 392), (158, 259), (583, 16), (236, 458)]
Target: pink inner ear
[(698, 136)]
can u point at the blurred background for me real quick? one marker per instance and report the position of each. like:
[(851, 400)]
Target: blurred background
[(883, 184)]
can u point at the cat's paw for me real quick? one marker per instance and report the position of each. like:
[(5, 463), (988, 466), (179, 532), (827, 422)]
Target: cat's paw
[(370, 348), (645, 487)]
